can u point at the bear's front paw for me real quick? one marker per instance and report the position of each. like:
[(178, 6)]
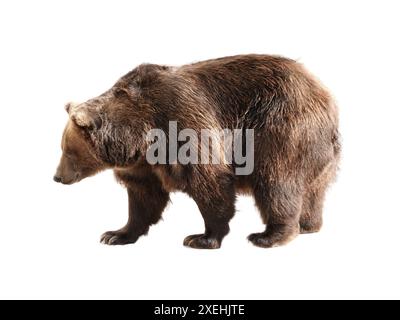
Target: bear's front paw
[(201, 241), (275, 236), (115, 238), (262, 240)]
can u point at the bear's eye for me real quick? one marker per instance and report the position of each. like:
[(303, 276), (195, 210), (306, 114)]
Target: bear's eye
[(121, 93), (69, 155)]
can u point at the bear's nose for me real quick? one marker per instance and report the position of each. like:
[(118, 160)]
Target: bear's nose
[(57, 179)]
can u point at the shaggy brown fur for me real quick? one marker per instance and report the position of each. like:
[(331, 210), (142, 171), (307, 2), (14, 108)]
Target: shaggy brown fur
[(296, 145)]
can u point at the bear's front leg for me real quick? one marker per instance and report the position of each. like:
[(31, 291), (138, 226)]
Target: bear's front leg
[(216, 201), (146, 204)]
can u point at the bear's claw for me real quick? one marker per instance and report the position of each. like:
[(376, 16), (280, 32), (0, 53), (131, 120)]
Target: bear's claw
[(201, 241), (114, 238)]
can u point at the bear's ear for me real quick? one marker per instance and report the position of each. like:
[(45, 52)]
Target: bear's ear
[(147, 74), (70, 105), (85, 118)]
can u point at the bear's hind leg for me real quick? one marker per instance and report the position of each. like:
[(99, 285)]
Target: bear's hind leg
[(280, 208), (311, 216)]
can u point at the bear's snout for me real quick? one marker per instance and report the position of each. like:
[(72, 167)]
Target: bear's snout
[(57, 178)]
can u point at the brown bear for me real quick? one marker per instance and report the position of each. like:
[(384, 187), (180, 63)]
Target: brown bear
[(296, 144)]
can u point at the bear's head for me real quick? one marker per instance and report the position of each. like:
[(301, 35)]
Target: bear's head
[(106, 132), (79, 159)]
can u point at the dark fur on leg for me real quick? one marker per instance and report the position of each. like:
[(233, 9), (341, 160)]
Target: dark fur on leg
[(280, 207), (217, 206), (147, 201)]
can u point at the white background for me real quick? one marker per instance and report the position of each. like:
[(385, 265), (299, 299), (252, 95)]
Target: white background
[(55, 51)]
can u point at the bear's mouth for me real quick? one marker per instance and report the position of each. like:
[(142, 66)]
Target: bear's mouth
[(76, 178)]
